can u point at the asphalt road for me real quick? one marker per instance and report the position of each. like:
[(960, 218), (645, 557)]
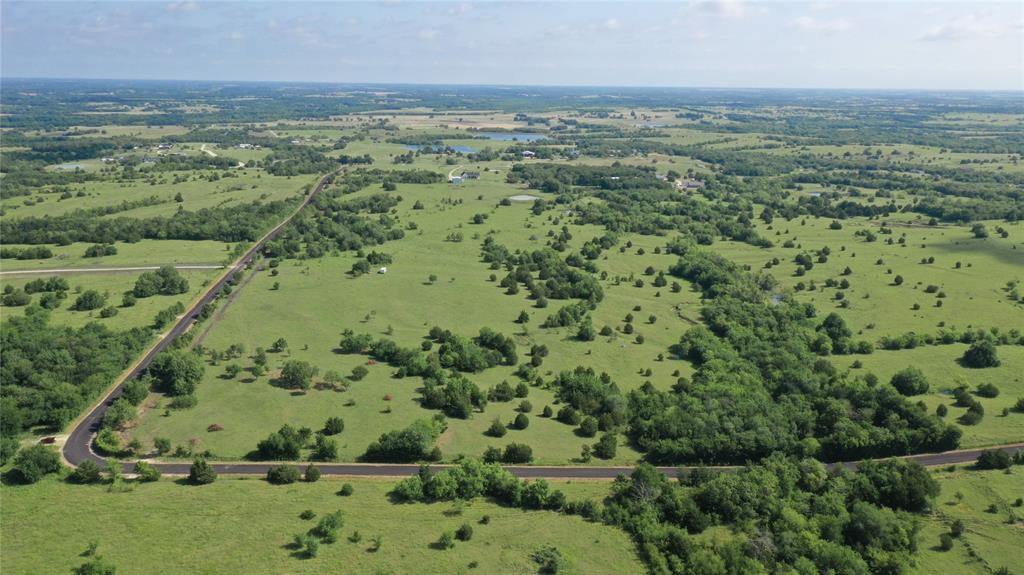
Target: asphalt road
[(78, 446)]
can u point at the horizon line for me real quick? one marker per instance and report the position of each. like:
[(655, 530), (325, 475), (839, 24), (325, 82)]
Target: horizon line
[(1018, 91)]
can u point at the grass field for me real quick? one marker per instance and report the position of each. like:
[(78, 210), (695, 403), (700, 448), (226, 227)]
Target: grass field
[(975, 292), (114, 285), (247, 186), (944, 374), (988, 542), (141, 253), (167, 527)]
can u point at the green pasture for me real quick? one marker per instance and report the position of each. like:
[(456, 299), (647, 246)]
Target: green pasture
[(169, 527)]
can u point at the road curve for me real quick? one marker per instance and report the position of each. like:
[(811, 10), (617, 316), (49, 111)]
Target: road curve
[(78, 446)]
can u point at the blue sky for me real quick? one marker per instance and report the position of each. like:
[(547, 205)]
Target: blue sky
[(727, 43)]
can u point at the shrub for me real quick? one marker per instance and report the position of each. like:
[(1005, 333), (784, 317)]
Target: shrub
[(446, 541), (988, 390), (358, 373), (981, 354), (994, 459), (945, 541), (465, 532), (307, 515), (334, 426), (588, 427), (346, 490), (497, 428), (34, 462), (146, 472), (517, 453), (201, 472), (910, 381), (283, 475), (521, 421), (87, 472), (312, 474), (606, 446)]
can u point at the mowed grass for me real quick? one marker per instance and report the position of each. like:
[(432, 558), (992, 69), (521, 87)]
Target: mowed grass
[(141, 253), (939, 364), (167, 527), (317, 300), (114, 284), (975, 293), (989, 542)]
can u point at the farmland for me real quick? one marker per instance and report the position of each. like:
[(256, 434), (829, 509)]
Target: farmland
[(680, 281)]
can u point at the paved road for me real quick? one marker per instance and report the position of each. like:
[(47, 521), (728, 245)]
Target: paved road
[(531, 471), (109, 269), (78, 446)]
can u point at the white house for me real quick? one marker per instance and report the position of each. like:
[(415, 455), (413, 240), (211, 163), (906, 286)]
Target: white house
[(528, 154), (382, 270)]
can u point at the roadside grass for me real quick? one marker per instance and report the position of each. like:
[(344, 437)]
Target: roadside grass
[(939, 364), (167, 527), (988, 542)]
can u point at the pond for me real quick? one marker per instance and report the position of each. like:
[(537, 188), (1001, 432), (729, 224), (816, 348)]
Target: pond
[(438, 149), (511, 136)]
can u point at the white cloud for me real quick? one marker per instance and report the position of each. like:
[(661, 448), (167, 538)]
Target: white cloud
[(724, 8), (820, 25), (234, 35), (186, 6), (612, 24), (427, 34), (972, 25)]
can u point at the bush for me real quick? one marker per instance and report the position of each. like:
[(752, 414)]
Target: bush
[(521, 421), (994, 459), (346, 490), (87, 472), (34, 462), (446, 541), (201, 472), (497, 428), (588, 427), (283, 474), (334, 426), (517, 453), (606, 446), (312, 474), (358, 373), (549, 560), (910, 381), (146, 472), (981, 354), (988, 390), (465, 532), (945, 541)]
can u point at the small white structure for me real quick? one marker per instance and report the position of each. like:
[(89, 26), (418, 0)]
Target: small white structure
[(383, 270), (528, 154), (455, 180)]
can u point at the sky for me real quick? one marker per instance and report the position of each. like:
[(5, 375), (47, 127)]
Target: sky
[(860, 44)]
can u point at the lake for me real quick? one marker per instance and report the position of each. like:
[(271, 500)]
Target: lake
[(463, 149), (511, 136)]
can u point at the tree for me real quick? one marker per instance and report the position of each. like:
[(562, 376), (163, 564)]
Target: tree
[(176, 372), (279, 345), (334, 425), (95, 566), (524, 318), (298, 374), (981, 354), (910, 381), (447, 539), (232, 370), (898, 280), (464, 532), (89, 300), (606, 446), (588, 427), (201, 472), (324, 449), (162, 445), (34, 462), (358, 373)]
